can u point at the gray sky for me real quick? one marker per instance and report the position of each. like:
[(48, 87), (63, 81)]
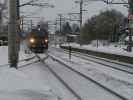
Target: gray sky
[(67, 6)]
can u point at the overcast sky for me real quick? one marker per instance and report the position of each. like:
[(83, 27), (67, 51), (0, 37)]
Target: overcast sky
[(67, 6)]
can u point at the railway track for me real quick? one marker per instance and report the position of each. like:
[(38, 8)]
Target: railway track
[(20, 61), (59, 78), (81, 75), (54, 73), (127, 68), (76, 95), (25, 65)]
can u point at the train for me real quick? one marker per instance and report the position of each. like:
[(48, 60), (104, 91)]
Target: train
[(37, 40)]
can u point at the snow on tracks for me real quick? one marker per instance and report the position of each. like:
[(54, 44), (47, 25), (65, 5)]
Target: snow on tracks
[(79, 84), (99, 74), (89, 78)]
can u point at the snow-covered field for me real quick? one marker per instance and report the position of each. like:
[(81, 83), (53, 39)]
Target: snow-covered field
[(112, 49)]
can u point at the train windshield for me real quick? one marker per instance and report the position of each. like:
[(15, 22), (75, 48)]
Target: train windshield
[(39, 33)]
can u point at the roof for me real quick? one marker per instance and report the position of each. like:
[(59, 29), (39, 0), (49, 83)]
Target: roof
[(72, 35)]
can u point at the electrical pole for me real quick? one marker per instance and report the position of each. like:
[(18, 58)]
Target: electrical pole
[(60, 15), (12, 34), (81, 13), (130, 25), (18, 29), (18, 9), (22, 20), (81, 19), (81, 2), (31, 25)]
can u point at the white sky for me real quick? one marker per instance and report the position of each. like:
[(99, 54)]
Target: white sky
[(67, 6)]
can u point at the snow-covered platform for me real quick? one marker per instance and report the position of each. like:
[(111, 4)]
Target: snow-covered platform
[(110, 52), (110, 49)]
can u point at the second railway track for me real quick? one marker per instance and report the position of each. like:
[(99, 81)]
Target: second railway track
[(84, 77), (59, 78), (127, 68)]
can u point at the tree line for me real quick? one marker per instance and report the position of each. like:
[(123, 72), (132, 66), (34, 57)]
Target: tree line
[(67, 28), (104, 26)]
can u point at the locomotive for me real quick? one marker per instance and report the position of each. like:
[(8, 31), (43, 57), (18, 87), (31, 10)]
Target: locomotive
[(37, 40)]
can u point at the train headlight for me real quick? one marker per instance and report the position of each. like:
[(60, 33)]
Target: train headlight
[(32, 40), (46, 40)]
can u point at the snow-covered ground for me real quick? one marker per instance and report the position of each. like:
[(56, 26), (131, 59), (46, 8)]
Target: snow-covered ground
[(112, 49), (31, 82), (17, 85), (35, 82), (116, 80), (87, 90)]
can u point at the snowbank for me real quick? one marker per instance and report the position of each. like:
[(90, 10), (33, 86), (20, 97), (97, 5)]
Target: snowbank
[(3, 55), (16, 85)]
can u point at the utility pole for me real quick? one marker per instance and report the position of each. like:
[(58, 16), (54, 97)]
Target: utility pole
[(22, 23), (56, 25), (18, 28), (81, 2), (12, 34), (18, 9), (81, 13), (60, 22), (31, 24), (81, 19), (60, 19), (130, 24)]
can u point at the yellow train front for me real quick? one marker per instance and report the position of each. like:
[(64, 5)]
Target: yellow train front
[(38, 40)]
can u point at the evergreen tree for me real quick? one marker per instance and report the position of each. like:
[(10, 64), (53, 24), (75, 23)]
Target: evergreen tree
[(75, 28), (66, 29)]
